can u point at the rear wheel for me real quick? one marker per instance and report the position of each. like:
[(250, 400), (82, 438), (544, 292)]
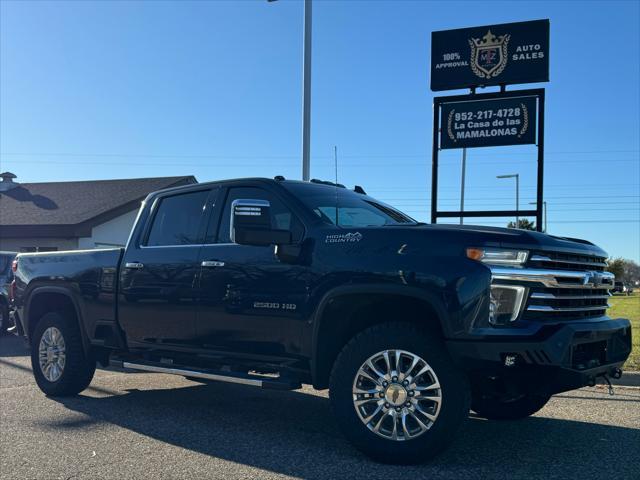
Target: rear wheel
[(60, 365), (396, 395), (497, 408)]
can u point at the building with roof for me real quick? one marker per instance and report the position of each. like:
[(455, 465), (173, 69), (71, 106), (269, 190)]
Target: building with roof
[(49, 216)]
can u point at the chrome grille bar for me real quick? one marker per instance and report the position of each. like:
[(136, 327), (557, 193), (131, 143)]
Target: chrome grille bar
[(547, 308), (551, 296), (542, 258), (556, 278)]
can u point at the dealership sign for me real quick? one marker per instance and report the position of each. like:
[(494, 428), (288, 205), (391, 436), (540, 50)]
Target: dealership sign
[(490, 55), (488, 123)]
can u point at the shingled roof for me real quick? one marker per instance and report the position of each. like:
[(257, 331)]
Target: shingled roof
[(73, 208)]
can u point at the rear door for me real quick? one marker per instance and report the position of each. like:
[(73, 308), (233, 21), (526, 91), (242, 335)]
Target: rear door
[(157, 300)]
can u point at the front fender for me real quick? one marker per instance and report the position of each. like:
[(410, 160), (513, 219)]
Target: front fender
[(434, 300)]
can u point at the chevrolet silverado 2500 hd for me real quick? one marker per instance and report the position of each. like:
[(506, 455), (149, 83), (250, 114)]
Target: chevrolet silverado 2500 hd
[(276, 283)]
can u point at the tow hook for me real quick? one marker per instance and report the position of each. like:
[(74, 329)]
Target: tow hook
[(617, 373), (606, 379)]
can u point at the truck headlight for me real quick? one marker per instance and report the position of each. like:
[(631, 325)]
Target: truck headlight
[(506, 303), (498, 256)]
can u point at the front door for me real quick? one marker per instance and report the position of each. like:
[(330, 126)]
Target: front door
[(251, 303), (157, 301)]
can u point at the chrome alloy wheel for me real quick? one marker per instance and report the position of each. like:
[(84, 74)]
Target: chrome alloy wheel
[(397, 395), (51, 353)]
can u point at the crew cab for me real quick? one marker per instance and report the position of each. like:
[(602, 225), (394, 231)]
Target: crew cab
[(277, 283)]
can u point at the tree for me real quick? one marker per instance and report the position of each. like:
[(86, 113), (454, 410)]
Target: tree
[(523, 224), (616, 266), (624, 269)]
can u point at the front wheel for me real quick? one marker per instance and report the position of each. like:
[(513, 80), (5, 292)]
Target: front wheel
[(58, 359), (396, 394), (496, 408)]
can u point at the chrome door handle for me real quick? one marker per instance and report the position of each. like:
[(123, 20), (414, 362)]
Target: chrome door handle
[(212, 263), (135, 265)]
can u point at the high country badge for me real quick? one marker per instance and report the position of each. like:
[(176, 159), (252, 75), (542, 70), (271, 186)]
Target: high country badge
[(489, 55)]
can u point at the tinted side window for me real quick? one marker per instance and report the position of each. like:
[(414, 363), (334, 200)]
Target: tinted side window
[(177, 219), (281, 217)]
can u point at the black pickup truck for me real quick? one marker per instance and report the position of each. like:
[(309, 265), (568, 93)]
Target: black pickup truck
[(278, 283)]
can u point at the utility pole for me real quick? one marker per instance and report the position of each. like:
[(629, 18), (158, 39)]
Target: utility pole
[(462, 180), (544, 206), (335, 161), (517, 177), (517, 200), (306, 94)]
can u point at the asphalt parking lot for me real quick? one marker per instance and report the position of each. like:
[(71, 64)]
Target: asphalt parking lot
[(161, 426)]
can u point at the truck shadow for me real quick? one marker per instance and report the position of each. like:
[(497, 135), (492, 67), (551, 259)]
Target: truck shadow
[(294, 433)]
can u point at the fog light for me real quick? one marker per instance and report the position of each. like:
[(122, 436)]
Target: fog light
[(506, 303)]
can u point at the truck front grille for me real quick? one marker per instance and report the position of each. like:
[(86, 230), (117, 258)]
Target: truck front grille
[(566, 261), (579, 289), (559, 303)]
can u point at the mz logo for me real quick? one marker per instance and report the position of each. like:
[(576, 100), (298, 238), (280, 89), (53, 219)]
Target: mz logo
[(489, 54)]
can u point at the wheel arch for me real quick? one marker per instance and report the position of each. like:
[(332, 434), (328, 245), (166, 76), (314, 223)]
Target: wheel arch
[(44, 299), (347, 310)]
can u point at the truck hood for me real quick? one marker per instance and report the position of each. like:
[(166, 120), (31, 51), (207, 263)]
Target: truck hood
[(511, 238)]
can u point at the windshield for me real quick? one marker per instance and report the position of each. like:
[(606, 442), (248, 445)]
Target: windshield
[(345, 208)]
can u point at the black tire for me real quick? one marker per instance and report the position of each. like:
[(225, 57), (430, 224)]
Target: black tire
[(454, 384), (4, 319), (494, 408), (78, 369)]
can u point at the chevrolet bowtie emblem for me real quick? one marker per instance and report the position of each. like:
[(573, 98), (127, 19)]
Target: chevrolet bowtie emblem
[(593, 278)]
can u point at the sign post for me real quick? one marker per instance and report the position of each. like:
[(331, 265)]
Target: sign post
[(479, 57), (470, 135)]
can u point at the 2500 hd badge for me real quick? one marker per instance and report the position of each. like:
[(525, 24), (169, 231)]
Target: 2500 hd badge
[(409, 330), (275, 305)]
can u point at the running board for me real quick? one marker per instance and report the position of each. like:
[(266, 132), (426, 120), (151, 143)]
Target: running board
[(272, 383)]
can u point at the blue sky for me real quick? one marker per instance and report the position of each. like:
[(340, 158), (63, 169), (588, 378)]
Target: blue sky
[(94, 90)]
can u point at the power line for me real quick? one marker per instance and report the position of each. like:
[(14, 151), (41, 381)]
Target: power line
[(530, 187), (345, 165), (360, 155), (510, 197), (571, 221)]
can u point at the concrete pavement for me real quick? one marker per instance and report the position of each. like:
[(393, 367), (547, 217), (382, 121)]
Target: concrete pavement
[(132, 426)]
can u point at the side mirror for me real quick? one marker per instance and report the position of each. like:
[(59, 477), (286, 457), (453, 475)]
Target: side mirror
[(251, 224)]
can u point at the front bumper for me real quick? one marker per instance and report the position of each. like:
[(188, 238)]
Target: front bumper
[(571, 355)]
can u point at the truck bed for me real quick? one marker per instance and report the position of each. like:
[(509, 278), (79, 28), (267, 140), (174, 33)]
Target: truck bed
[(90, 277)]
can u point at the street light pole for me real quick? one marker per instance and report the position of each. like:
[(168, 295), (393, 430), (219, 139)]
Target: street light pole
[(517, 177), (306, 94)]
